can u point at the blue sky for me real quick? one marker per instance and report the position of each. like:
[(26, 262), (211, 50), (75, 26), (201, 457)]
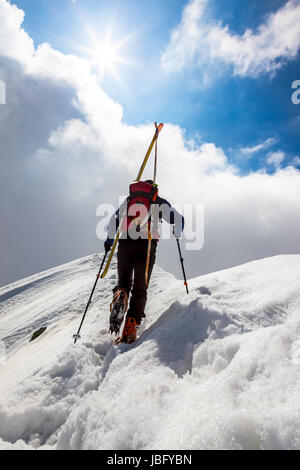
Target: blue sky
[(232, 112), (74, 128)]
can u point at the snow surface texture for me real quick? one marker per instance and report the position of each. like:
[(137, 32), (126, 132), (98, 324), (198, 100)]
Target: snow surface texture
[(218, 369)]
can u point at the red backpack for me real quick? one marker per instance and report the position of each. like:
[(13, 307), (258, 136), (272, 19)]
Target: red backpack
[(141, 196)]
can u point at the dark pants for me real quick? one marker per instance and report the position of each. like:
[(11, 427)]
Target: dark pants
[(132, 257)]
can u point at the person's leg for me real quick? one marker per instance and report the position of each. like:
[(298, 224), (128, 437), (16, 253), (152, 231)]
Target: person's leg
[(121, 291), (125, 265), (139, 291)]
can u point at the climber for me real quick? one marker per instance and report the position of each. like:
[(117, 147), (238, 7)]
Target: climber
[(139, 215)]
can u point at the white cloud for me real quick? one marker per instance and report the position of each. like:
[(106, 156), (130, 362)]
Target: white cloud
[(249, 151), (276, 158), (296, 161), (265, 50), (43, 61), (66, 149), (14, 41), (185, 39)]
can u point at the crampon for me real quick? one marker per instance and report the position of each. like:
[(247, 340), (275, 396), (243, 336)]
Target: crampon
[(118, 309)]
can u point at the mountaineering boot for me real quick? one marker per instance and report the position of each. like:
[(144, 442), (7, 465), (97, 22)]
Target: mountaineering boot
[(118, 309), (129, 332)]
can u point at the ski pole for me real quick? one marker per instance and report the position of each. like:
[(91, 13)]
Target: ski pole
[(182, 265), (77, 336)]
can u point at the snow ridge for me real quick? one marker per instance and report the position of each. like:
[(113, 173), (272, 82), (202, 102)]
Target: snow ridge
[(218, 369)]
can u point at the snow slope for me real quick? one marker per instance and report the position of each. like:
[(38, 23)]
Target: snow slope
[(218, 369)]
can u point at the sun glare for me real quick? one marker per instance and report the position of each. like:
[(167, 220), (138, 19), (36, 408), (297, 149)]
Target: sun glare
[(105, 55)]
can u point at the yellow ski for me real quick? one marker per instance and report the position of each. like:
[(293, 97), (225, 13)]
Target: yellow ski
[(139, 176)]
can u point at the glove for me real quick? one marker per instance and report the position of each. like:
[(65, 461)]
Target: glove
[(108, 244), (177, 232)]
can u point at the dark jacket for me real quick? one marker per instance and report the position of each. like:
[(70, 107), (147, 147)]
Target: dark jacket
[(162, 210)]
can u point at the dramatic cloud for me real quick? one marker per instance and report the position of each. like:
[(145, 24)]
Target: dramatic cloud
[(65, 149), (265, 50)]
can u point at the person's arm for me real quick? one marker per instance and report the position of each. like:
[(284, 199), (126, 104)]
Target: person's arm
[(113, 225), (170, 215)]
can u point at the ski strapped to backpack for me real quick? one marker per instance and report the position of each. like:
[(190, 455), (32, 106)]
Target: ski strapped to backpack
[(151, 220), (139, 176)]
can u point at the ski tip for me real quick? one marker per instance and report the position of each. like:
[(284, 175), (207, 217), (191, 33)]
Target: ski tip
[(159, 128)]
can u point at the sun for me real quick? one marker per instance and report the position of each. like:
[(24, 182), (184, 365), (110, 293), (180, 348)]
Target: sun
[(105, 55)]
